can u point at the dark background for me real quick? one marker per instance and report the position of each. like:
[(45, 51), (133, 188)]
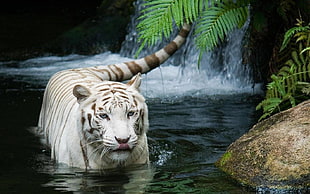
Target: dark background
[(21, 21), (37, 27)]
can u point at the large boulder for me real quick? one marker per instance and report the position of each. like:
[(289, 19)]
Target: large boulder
[(275, 153)]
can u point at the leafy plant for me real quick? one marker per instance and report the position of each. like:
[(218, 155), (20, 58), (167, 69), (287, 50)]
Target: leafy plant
[(301, 33), (214, 19), (292, 82), (218, 20)]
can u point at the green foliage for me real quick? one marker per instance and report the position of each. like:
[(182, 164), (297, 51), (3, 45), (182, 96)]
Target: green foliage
[(284, 7), (306, 88), (217, 21), (159, 15), (292, 83), (302, 32), (214, 19)]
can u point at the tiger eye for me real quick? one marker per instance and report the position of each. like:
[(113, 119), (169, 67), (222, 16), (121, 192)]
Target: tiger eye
[(130, 114), (104, 116)]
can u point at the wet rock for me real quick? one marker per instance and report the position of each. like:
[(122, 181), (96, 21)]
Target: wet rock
[(275, 153)]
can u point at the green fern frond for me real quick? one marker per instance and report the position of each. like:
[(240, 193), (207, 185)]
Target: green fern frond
[(290, 34), (160, 15), (304, 50), (306, 88), (216, 21), (269, 106), (295, 74), (292, 82)]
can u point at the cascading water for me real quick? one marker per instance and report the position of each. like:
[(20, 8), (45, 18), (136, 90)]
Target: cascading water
[(220, 72)]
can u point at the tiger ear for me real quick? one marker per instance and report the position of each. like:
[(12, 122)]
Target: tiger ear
[(135, 82), (81, 93)]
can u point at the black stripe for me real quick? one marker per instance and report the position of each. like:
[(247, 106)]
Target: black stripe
[(152, 61), (110, 67), (183, 33), (89, 117), (133, 67), (121, 73), (171, 48)]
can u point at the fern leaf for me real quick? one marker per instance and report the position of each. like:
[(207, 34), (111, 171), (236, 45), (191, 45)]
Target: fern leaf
[(269, 106), (304, 50), (290, 33), (159, 16), (293, 77), (290, 98), (308, 67), (306, 88), (216, 21), (284, 71), (302, 58), (154, 20), (295, 57), (304, 74)]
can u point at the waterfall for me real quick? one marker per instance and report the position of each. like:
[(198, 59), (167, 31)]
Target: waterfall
[(220, 71)]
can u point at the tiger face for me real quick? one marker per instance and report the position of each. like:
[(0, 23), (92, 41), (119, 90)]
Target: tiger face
[(113, 121)]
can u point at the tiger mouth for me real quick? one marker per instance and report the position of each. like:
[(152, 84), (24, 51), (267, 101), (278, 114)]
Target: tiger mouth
[(123, 147)]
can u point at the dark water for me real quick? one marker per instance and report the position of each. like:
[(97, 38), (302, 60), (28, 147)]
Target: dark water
[(187, 135)]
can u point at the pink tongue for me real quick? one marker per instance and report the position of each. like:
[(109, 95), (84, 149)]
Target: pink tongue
[(123, 146)]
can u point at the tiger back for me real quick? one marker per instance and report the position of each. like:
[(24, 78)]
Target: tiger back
[(91, 120)]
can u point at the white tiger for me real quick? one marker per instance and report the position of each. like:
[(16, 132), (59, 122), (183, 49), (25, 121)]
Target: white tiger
[(90, 121)]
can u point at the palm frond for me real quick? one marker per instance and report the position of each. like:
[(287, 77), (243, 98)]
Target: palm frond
[(290, 34), (159, 16), (217, 21)]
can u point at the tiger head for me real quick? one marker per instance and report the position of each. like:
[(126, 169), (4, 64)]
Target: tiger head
[(113, 121)]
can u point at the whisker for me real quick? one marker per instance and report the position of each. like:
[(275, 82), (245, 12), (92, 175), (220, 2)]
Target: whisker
[(138, 151), (92, 142), (104, 151), (95, 151)]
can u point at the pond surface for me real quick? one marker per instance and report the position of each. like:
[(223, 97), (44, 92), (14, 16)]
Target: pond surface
[(191, 126)]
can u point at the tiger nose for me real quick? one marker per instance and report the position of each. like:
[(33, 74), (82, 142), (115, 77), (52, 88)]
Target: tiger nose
[(121, 141)]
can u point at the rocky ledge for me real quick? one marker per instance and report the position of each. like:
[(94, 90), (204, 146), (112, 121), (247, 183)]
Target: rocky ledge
[(274, 154)]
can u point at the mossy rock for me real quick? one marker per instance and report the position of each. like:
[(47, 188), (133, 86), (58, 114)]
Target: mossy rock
[(274, 154)]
